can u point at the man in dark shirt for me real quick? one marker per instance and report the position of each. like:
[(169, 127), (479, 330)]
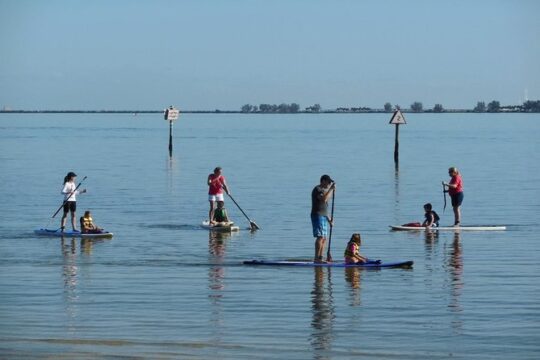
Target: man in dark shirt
[(319, 214)]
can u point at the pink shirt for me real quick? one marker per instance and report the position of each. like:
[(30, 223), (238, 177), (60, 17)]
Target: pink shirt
[(216, 187), (456, 180), (352, 248)]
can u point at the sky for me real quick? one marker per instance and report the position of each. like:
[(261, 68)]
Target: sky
[(222, 54)]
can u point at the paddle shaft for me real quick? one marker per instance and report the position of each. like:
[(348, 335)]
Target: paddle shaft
[(328, 255), (253, 225), (69, 197), (444, 195)]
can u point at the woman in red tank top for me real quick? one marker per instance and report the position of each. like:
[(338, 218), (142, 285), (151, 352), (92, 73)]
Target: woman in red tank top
[(216, 184), (455, 190)]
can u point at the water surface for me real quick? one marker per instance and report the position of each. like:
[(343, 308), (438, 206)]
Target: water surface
[(164, 288)]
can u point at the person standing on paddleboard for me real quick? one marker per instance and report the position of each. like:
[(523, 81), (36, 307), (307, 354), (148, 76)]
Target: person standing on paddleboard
[(216, 184), (455, 190), (320, 221), (70, 193)]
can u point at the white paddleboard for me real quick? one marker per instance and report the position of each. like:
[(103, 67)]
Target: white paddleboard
[(225, 228)]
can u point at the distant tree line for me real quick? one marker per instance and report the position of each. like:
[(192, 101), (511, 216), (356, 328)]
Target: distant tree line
[(417, 107), (353, 109), (272, 108), (495, 106), (531, 106), (492, 107)]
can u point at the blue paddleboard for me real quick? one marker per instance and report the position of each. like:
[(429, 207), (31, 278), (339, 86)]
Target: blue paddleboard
[(450, 228), (71, 233), (371, 264)]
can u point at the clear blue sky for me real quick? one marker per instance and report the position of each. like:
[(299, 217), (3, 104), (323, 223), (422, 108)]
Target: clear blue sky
[(218, 54)]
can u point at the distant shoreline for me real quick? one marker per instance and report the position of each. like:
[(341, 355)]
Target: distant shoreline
[(374, 111)]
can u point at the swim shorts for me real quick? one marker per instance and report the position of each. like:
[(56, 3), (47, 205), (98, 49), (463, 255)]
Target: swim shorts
[(217, 197), (457, 199), (320, 225)]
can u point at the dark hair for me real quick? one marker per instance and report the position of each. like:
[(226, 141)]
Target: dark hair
[(356, 238), (217, 169), (69, 176), (428, 206), (326, 178)]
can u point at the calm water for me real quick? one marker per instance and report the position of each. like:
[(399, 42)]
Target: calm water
[(163, 288)]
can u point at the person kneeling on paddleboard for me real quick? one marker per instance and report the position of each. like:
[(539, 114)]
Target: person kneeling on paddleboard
[(432, 218), (220, 215), (352, 251), (87, 224)]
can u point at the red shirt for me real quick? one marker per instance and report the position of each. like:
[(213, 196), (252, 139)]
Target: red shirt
[(456, 180), (216, 186)]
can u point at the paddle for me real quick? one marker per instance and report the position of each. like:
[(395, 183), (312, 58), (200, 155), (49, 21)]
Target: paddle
[(444, 195), (328, 255), (251, 222), (65, 201)]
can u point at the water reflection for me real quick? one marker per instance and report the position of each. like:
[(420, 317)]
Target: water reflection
[(70, 276), (216, 274), (216, 285), (353, 277), (87, 245), (323, 314), (69, 267), (216, 255), (70, 272), (397, 214), (455, 266), (431, 238), (172, 171)]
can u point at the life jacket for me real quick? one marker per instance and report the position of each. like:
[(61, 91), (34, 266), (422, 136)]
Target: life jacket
[(351, 250), (220, 215), (87, 222)]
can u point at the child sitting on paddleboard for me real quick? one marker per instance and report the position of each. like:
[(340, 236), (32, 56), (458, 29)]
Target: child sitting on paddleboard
[(220, 215), (352, 251), (87, 224), (431, 217)]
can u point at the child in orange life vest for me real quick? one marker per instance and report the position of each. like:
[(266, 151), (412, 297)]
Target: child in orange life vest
[(352, 251), (87, 224)]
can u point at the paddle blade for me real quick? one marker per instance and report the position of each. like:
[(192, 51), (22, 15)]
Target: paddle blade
[(254, 226)]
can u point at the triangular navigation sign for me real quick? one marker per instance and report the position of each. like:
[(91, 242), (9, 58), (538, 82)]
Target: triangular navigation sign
[(397, 118)]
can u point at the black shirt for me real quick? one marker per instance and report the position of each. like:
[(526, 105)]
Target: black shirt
[(318, 205)]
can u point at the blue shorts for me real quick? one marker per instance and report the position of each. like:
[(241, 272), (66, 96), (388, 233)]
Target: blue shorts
[(320, 225), (457, 199)]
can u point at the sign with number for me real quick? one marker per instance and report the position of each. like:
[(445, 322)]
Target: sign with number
[(171, 114), (397, 118)]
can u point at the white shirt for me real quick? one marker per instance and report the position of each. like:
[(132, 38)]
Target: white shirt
[(69, 188)]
